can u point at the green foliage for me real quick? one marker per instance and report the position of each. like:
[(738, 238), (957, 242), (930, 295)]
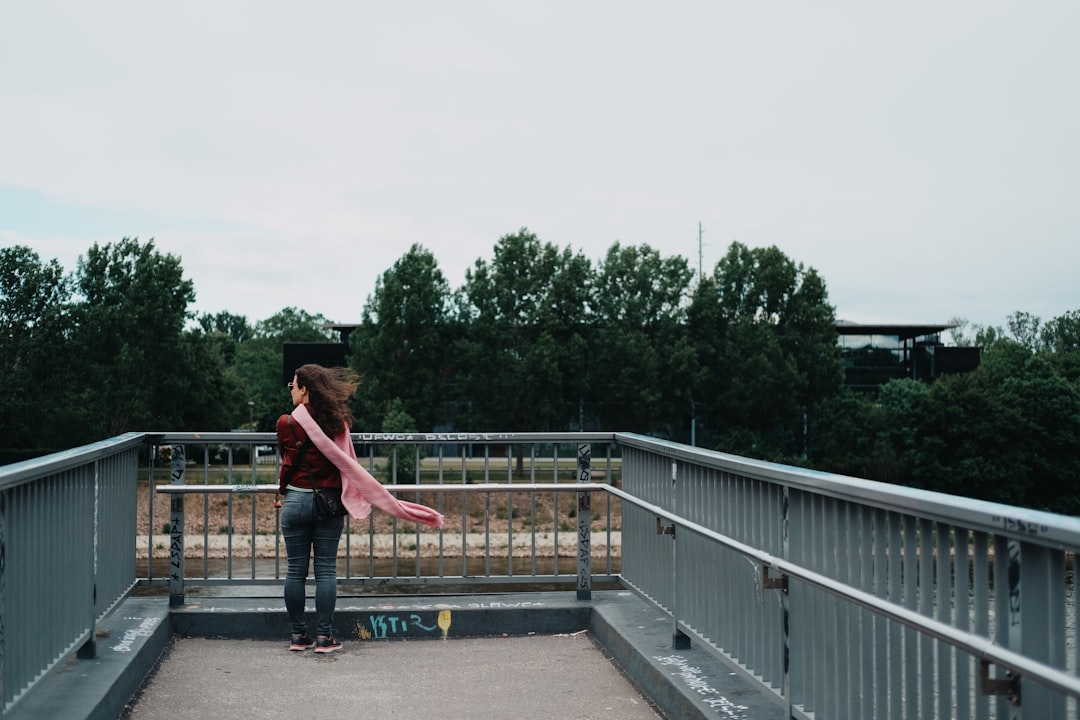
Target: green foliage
[(966, 334), (522, 318), (400, 350), (234, 327), (294, 325), (259, 363), (1061, 335), (767, 355), (1006, 432), (128, 331), (643, 364), (35, 349), (405, 458), (540, 339)]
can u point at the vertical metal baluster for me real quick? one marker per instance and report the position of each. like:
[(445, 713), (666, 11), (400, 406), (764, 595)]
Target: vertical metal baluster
[(206, 511), (911, 654), (417, 480), (926, 608), (872, 557), (963, 665), (981, 597), (442, 511), (532, 510), (946, 689), (252, 496)]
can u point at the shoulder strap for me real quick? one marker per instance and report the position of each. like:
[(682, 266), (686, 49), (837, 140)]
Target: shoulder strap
[(301, 448)]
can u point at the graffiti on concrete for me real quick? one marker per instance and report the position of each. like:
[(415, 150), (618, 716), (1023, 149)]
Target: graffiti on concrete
[(699, 683), (381, 627)]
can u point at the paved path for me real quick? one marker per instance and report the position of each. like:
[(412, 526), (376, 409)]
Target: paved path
[(560, 677)]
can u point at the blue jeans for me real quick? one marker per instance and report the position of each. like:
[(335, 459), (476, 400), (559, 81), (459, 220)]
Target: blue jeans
[(303, 531)]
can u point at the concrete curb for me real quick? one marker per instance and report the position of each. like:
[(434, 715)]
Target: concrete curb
[(685, 683), (412, 617), (130, 641)]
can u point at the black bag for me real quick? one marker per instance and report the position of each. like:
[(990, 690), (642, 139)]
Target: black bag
[(328, 503)]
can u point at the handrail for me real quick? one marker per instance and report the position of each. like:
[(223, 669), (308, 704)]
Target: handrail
[(1034, 526), (26, 471), (976, 645), (429, 487), (443, 438)]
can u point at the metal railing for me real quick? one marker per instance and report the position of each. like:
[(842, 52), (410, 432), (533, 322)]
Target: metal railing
[(456, 473), (67, 528), (854, 599), (844, 598)]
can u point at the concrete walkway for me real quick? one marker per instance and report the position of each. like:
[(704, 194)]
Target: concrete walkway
[(543, 676), (477, 656)]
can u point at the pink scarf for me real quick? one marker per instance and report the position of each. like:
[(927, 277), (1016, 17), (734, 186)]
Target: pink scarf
[(359, 490)]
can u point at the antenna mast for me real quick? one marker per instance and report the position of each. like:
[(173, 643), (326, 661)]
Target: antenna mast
[(700, 232)]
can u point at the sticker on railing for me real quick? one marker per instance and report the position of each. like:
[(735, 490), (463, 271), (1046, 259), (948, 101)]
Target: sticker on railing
[(1018, 525), (428, 437)]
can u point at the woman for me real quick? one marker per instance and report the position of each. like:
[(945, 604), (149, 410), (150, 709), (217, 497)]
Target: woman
[(325, 393), (317, 452)]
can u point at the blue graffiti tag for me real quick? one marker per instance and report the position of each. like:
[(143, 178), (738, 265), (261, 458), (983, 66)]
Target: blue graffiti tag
[(383, 626)]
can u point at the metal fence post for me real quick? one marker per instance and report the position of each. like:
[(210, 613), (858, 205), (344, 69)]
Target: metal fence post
[(679, 639), (584, 523), (3, 598), (785, 610), (176, 528), (88, 650)]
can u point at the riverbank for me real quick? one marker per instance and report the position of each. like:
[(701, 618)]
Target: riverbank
[(386, 545)]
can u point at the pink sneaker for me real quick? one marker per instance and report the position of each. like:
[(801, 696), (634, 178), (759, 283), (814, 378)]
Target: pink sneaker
[(326, 644)]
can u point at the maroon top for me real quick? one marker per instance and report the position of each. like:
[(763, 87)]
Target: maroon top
[(325, 472)]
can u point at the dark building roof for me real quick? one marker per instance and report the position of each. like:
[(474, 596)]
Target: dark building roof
[(904, 332)]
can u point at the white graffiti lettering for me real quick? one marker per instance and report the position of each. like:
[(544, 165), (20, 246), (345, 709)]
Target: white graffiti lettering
[(143, 629), (696, 681), (428, 437)]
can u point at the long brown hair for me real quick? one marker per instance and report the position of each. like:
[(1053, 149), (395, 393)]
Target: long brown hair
[(329, 390)]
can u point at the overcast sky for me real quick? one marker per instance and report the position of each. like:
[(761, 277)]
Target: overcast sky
[(923, 157)]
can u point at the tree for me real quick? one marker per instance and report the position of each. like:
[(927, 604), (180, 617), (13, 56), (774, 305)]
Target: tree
[(235, 328), (639, 384), (968, 334), (1062, 334), (128, 331), (1024, 328), (260, 360), (849, 436), (760, 393), (291, 324), (400, 350), (35, 348), (1061, 340), (213, 398), (520, 337), (766, 341), (1005, 432), (398, 420)]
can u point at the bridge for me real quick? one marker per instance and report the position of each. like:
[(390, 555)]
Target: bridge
[(719, 586)]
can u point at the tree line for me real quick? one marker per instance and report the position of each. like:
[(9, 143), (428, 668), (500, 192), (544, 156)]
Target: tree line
[(541, 338)]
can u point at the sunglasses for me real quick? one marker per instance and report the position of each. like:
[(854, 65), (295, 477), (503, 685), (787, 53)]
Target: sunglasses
[(291, 385)]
